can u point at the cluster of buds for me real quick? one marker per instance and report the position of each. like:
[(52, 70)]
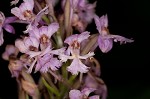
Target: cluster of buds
[(50, 46)]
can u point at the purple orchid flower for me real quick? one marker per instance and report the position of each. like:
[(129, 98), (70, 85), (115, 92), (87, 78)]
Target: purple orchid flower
[(27, 45), (83, 94), (5, 23), (44, 33), (74, 49), (25, 13), (105, 40), (25, 10)]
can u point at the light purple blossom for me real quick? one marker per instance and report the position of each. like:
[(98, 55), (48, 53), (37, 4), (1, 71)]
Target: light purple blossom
[(24, 11), (44, 33), (74, 49), (83, 94), (27, 45), (105, 40), (5, 23), (47, 62)]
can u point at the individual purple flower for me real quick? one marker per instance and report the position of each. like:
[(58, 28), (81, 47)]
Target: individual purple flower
[(25, 10), (105, 40), (27, 45), (83, 94), (10, 52), (47, 62), (5, 23), (44, 33), (74, 49)]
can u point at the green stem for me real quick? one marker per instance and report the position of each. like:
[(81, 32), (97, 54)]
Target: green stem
[(51, 89), (27, 96)]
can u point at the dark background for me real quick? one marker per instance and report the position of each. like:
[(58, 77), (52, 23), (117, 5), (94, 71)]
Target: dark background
[(125, 69)]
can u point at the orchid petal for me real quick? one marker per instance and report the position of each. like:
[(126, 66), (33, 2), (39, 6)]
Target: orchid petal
[(9, 28), (105, 44), (75, 94), (52, 28), (21, 46), (77, 66)]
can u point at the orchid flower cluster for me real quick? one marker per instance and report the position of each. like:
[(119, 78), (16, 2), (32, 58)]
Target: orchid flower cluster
[(56, 45)]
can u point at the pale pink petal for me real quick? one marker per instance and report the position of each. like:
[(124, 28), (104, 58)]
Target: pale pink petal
[(21, 46), (16, 11), (52, 28), (29, 4), (71, 38), (34, 32), (23, 7), (43, 30), (83, 36), (77, 66), (98, 23), (105, 21), (75, 94), (31, 41)]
